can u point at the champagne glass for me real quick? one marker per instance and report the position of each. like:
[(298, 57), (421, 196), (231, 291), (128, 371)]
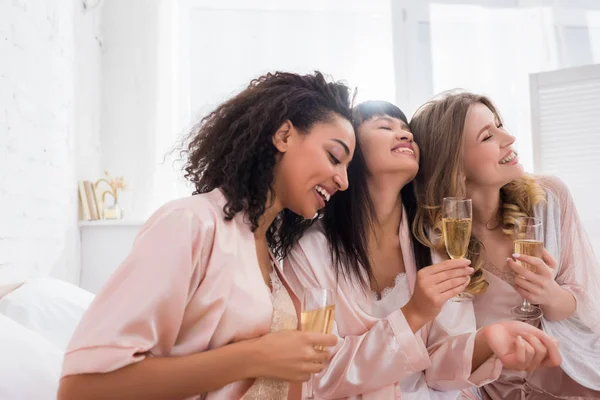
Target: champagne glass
[(528, 240), (457, 218), (318, 314)]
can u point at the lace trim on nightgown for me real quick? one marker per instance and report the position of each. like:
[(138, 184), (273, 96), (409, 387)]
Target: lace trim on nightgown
[(506, 274), (392, 298), (399, 278), (284, 318)]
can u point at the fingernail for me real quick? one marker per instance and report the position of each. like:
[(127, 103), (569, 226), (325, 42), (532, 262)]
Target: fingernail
[(468, 262), (516, 255), (520, 338), (470, 270), (508, 258)]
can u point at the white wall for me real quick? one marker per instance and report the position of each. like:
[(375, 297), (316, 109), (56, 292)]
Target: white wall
[(88, 90), (79, 94), (48, 131)]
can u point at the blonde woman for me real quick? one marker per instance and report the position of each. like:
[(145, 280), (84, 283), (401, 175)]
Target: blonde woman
[(468, 152)]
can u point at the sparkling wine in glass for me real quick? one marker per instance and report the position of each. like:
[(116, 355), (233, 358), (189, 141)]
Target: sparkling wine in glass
[(318, 314), (457, 219), (529, 241)]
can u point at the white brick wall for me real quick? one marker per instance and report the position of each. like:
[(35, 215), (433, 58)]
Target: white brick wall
[(46, 98)]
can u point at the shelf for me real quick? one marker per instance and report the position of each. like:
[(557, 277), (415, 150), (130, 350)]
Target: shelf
[(111, 222)]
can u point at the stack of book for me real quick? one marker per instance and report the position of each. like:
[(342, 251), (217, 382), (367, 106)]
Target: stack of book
[(90, 202)]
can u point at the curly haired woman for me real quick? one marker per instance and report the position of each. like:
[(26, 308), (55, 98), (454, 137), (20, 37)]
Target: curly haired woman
[(200, 308)]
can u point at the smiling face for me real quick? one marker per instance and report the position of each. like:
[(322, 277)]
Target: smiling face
[(312, 165), (388, 147), (488, 156)]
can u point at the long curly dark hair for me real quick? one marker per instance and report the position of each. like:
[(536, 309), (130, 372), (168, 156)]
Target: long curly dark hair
[(232, 147)]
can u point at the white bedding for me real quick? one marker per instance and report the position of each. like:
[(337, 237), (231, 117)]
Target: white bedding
[(37, 320), (29, 364)]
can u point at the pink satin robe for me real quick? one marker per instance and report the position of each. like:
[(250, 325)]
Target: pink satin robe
[(578, 272), (191, 283), (374, 355)]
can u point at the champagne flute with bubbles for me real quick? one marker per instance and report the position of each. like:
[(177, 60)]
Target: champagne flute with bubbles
[(528, 240), (457, 219), (318, 314)]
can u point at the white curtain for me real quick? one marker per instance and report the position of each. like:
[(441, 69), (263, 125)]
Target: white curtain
[(210, 50), (492, 51), (220, 46)]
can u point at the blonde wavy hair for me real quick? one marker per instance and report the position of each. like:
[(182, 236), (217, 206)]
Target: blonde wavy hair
[(438, 128)]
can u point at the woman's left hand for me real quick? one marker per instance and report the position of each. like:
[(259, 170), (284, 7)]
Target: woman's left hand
[(538, 287), (522, 347)]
